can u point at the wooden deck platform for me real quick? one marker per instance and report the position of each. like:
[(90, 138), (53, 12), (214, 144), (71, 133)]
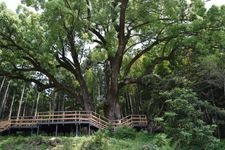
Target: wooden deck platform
[(89, 118)]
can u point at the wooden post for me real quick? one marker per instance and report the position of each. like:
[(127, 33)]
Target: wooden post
[(37, 129), (21, 100), (9, 131), (63, 116), (89, 129), (79, 117), (56, 130), (76, 129), (31, 132)]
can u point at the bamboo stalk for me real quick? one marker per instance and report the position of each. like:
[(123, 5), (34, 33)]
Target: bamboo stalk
[(4, 101), (21, 101), (10, 112)]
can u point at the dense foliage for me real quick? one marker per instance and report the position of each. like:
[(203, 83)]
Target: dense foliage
[(75, 46), (183, 121), (117, 58)]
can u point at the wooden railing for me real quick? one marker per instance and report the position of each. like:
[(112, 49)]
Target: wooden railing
[(131, 120), (23, 121), (99, 121), (73, 116), (63, 117)]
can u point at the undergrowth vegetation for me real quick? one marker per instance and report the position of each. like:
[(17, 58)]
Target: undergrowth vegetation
[(123, 138), (183, 121)]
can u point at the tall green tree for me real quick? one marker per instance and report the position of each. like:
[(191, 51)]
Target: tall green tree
[(57, 47)]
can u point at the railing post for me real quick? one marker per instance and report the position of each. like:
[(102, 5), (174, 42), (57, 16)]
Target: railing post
[(99, 120), (75, 116), (37, 117), (48, 117), (63, 116), (56, 130), (76, 129), (90, 118), (89, 129), (37, 129), (79, 116)]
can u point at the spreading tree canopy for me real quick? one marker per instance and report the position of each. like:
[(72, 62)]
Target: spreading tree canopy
[(63, 43)]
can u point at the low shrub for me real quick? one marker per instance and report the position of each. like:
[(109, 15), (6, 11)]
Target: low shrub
[(125, 133), (98, 142)]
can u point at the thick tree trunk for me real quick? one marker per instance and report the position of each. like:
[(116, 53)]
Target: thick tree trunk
[(87, 101), (86, 96), (114, 111), (78, 73), (113, 107)]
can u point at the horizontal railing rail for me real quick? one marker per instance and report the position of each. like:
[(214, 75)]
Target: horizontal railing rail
[(73, 116)]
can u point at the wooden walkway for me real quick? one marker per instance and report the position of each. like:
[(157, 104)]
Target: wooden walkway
[(72, 117)]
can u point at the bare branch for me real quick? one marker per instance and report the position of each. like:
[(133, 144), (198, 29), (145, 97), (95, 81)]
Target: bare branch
[(136, 57), (128, 81), (140, 25), (99, 35), (40, 85)]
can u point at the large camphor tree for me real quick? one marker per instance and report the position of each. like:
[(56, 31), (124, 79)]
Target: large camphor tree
[(57, 46)]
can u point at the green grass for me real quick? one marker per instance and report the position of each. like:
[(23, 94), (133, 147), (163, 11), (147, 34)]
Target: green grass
[(23, 143), (101, 140)]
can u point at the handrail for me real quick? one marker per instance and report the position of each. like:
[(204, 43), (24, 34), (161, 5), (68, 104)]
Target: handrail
[(90, 117)]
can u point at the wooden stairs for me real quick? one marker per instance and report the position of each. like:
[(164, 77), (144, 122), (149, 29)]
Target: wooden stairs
[(72, 117), (4, 125)]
